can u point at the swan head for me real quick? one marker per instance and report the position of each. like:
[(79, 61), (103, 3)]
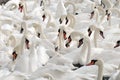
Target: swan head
[(66, 20), (14, 55), (64, 33), (92, 14), (102, 34), (20, 7), (60, 21), (27, 43), (117, 44), (93, 27), (95, 62), (80, 42), (89, 32)]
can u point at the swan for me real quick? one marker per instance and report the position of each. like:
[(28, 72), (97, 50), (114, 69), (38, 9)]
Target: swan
[(23, 57), (59, 44), (12, 5), (81, 58), (98, 63), (97, 31), (111, 19), (51, 22), (39, 30), (72, 4), (107, 4), (116, 75), (33, 59), (96, 13), (71, 20)]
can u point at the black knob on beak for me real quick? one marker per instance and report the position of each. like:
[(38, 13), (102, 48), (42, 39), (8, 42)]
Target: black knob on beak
[(80, 42)]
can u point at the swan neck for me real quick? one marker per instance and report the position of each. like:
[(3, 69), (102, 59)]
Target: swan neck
[(95, 38), (72, 21), (61, 39), (89, 52), (100, 72)]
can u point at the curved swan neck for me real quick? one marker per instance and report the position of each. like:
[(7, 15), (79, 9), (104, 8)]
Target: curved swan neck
[(97, 15), (70, 3), (95, 38), (72, 20), (61, 39)]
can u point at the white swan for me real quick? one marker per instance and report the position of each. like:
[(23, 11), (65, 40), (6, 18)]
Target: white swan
[(33, 57), (73, 6), (116, 75), (12, 5), (107, 4), (39, 30), (71, 21), (99, 63), (59, 44), (83, 57), (23, 57), (97, 31), (113, 20)]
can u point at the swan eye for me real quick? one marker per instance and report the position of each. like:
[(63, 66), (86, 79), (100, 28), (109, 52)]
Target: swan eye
[(94, 61), (118, 42)]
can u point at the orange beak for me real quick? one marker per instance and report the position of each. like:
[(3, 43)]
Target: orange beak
[(91, 63)]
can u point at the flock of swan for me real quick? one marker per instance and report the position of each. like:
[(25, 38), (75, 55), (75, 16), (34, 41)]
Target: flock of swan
[(60, 40)]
